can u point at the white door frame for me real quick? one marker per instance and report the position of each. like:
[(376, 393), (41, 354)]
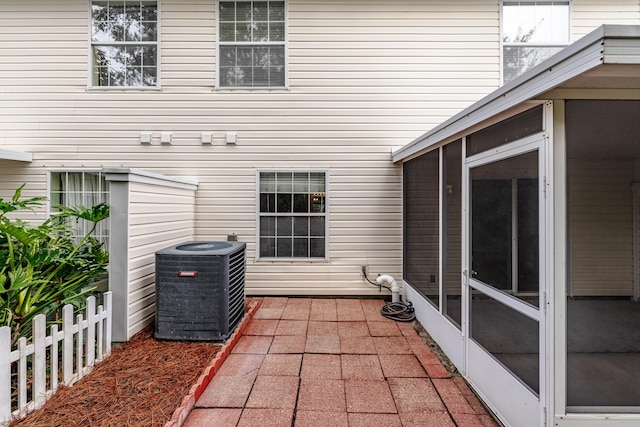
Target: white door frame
[(509, 397)]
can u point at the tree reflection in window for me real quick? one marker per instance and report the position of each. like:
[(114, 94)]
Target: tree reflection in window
[(252, 43), (124, 43)]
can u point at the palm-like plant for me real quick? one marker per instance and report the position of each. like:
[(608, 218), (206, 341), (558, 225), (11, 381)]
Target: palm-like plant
[(43, 267)]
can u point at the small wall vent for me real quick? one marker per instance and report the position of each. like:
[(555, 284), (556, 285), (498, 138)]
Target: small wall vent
[(199, 290)]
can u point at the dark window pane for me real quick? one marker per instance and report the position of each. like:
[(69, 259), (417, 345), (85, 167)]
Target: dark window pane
[(301, 203), (284, 182), (316, 226), (318, 203), (227, 56), (300, 226), (261, 32), (149, 56), (267, 247), (284, 226), (267, 202), (227, 11), (276, 11), (267, 226), (301, 248), (244, 56), (260, 11), (276, 31), (243, 11), (285, 247), (134, 77), (316, 248), (284, 202), (267, 182), (150, 11), (227, 33)]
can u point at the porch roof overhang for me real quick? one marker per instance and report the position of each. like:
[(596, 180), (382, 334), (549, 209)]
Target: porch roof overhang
[(606, 60), (19, 156)]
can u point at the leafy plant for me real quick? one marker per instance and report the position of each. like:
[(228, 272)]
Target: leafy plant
[(44, 267)]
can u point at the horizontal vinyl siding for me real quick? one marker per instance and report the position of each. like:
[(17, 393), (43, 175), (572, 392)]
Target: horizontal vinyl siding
[(601, 226), (590, 14), (159, 217), (364, 76)]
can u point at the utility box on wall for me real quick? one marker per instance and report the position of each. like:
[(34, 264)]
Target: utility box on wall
[(199, 290)]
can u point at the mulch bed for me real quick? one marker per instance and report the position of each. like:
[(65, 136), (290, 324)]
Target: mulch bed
[(139, 385)]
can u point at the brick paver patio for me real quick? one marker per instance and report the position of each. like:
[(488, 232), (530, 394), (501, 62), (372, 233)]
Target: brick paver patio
[(305, 362)]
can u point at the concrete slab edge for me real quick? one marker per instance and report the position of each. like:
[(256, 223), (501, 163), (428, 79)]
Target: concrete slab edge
[(188, 402)]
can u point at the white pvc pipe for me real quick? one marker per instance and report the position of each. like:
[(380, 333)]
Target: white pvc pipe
[(385, 279)]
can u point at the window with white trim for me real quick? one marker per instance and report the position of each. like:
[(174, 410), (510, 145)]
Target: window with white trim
[(251, 44), (81, 189), (292, 215), (532, 31), (124, 43)]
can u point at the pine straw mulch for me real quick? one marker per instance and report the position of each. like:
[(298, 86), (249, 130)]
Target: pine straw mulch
[(139, 385)]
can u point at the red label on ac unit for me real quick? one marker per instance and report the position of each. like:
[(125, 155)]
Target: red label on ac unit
[(187, 273)]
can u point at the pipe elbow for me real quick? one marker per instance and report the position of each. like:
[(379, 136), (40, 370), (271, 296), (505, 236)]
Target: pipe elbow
[(386, 279), (392, 284)]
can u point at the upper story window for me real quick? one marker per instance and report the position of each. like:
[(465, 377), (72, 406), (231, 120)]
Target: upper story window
[(292, 215), (251, 44), (124, 43), (532, 31)]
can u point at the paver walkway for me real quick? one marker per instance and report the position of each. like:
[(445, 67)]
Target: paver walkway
[(333, 362)]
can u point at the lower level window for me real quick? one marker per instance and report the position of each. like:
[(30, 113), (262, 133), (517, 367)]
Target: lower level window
[(292, 215), (81, 189)]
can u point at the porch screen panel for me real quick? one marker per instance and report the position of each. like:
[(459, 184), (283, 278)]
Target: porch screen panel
[(517, 127), (421, 224), (452, 227), (505, 226), (603, 320), (511, 337)]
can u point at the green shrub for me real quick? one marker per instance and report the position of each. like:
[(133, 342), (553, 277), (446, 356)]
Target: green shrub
[(44, 267)]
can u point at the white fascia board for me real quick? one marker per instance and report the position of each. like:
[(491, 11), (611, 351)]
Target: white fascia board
[(585, 54), (20, 156), (146, 177)]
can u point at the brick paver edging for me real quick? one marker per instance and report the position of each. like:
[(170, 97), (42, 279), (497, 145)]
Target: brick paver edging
[(188, 402)]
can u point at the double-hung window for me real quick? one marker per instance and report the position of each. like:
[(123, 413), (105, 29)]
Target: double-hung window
[(251, 44), (124, 43), (292, 215), (81, 189), (532, 31)]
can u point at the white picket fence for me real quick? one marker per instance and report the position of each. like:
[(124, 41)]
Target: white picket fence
[(83, 343)]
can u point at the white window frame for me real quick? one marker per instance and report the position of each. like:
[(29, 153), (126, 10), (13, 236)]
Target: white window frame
[(325, 215), (569, 4), (90, 66), (284, 43), (103, 237)]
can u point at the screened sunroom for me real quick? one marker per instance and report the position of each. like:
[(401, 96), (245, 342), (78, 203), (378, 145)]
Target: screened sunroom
[(522, 237)]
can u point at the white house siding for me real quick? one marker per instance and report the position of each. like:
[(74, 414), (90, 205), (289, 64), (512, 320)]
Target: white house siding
[(601, 218), (589, 14), (364, 76), (159, 217)]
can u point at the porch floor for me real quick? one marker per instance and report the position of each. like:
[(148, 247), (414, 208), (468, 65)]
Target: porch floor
[(339, 362)]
